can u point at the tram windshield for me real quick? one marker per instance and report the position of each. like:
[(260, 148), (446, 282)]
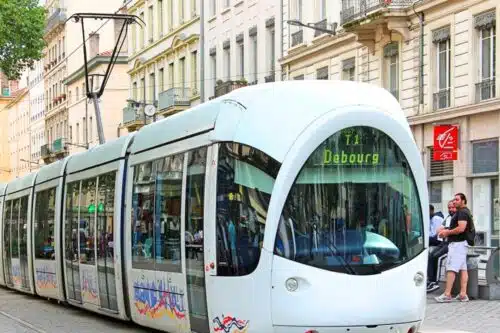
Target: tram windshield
[(354, 207)]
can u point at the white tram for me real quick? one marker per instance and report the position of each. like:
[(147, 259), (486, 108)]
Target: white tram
[(282, 207)]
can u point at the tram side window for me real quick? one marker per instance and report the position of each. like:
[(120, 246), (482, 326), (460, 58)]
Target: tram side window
[(87, 221), (44, 224), (245, 180), (105, 215), (156, 215), (168, 194), (14, 233), (71, 221), (142, 216)]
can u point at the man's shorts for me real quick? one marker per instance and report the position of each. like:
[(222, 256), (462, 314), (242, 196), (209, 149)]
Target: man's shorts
[(457, 256)]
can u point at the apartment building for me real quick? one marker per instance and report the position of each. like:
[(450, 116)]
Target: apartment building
[(101, 39), (382, 42), (5, 99), (244, 42), (35, 84), (55, 71), (19, 131), (164, 65)]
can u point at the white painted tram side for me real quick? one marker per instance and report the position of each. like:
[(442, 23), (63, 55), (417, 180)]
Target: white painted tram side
[(282, 207)]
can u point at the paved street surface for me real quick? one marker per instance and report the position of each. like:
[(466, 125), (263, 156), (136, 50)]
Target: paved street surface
[(475, 316), (26, 314)]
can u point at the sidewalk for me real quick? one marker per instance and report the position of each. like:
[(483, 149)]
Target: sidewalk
[(476, 316)]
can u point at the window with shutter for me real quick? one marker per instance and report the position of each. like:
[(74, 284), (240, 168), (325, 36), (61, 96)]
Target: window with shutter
[(439, 168)]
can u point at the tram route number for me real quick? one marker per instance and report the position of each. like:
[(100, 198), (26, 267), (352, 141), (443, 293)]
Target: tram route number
[(349, 157)]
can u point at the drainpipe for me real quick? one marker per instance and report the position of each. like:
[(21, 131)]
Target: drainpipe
[(202, 52), (420, 16), (281, 28)]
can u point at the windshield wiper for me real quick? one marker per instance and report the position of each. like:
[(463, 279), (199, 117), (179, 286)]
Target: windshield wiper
[(333, 249)]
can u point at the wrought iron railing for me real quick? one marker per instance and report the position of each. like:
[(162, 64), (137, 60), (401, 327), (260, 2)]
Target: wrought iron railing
[(45, 150), (56, 18), (297, 37), (131, 114), (322, 25), (270, 78), (228, 86), (177, 96), (485, 90), (356, 9), (441, 99)]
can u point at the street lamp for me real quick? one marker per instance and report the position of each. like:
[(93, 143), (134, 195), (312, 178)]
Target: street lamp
[(312, 26)]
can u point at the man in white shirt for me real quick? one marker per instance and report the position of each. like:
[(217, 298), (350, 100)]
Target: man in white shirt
[(441, 246)]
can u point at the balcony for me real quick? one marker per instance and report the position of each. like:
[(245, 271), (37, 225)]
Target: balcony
[(270, 78), (59, 146), (45, 151), (485, 90), (297, 38), (57, 18), (174, 100), (223, 88), (133, 118), (52, 152), (366, 18), (321, 25), (441, 99)]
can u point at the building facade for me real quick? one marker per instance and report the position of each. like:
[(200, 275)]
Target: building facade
[(19, 130), (244, 43), (164, 64), (55, 71), (441, 71), (35, 84)]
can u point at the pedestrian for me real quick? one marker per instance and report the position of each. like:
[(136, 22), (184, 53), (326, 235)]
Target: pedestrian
[(458, 247), (440, 249)]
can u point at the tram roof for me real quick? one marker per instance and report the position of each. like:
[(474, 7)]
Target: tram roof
[(50, 171), (2, 189), (108, 152), (268, 116), (20, 183)]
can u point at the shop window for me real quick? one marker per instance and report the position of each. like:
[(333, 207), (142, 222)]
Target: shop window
[(485, 156)]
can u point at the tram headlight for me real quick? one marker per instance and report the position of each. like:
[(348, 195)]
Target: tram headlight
[(419, 278), (291, 284)]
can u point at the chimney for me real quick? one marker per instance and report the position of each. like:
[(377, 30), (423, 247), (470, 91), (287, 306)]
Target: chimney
[(93, 45)]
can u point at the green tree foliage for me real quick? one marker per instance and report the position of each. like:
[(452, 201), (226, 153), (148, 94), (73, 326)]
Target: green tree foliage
[(22, 24)]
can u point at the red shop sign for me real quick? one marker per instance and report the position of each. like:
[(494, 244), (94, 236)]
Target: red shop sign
[(445, 155), (445, 137)]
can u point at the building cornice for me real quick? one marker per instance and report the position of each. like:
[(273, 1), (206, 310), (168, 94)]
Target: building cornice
[(318, 47), (176, 44), (456, 112), (164, 38), (93, 63)]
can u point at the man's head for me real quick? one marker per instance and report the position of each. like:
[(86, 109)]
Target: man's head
[(460, 200), (451, 207), (431, 210)]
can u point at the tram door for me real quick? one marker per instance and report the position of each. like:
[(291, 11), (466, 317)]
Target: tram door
[(23, 241), (89, 242), (105, 242), (194, 242), (6, 243), (71, 253)]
